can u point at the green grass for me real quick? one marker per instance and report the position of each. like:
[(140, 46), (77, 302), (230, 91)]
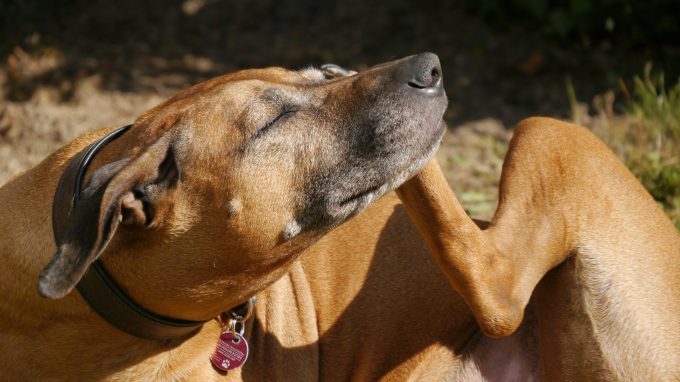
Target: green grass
[(645, 135), (656, 110)]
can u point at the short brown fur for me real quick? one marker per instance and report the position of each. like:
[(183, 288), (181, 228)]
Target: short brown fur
[(575, 230)]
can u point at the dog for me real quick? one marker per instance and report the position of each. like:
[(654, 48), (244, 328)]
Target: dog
[(250, 184), (576, 234), (205, 201)]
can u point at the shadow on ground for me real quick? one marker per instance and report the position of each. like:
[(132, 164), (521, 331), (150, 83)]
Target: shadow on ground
[(85, 64), (501, 71)]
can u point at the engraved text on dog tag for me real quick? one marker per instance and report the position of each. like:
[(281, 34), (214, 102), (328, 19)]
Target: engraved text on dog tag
[(231, 351)]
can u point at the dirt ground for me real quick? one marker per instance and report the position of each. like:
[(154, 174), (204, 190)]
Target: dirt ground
[(92, 64)]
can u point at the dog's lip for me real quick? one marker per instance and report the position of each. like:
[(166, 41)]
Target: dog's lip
[(361, 194)]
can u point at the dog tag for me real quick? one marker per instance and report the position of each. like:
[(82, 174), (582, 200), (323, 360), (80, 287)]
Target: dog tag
[(231, 351)]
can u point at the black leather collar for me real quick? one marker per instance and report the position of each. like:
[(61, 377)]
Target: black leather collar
[(97, 287)]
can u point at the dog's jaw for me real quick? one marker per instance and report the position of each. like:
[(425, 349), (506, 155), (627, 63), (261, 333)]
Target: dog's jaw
[(357, 203)]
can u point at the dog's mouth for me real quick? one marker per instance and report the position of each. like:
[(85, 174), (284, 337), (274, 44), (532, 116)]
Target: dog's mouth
[(368, 193), (387, 137), (356, 202)]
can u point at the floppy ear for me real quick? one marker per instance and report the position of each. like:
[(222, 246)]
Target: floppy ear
[(123, 191), (331, 71)]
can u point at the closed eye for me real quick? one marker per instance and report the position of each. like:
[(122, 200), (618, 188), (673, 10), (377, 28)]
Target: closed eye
[(267, 127)]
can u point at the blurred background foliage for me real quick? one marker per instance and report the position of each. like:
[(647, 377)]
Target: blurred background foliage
[(626, 23), (70, 66), (646, 135)]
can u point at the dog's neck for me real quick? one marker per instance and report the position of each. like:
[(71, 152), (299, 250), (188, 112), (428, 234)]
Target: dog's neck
[(64, 328), (28, 245)]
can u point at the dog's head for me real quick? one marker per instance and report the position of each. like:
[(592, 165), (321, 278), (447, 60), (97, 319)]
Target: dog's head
[(230, 179)]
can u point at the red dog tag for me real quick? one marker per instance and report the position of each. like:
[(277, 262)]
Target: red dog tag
[(231, 351)]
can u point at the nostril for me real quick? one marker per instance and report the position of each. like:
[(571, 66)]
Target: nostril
[(422, 72), (435, 75), (429, 79)]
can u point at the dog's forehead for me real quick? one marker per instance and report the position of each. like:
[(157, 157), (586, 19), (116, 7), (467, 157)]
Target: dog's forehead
[(261, 86), (304, 76), (246, 83), (244, 105), (281, 76), (229, 108)]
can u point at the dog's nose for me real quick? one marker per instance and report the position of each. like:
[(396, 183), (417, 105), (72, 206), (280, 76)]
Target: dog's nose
[(425, 72)]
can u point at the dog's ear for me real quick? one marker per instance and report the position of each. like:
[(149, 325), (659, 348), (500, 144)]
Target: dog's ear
[(331, 71), (123, 192)]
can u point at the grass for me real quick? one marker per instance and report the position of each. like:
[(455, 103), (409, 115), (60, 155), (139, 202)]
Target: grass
[(642, 128), (472, 157), (645, 133)]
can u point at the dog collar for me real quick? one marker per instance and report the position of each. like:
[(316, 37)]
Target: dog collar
[(97, 287)]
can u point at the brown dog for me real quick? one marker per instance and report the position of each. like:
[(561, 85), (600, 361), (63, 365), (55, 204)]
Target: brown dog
[(210, 198), (575, 230)]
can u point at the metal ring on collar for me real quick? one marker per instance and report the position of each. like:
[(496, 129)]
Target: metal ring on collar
[(243, 312)]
